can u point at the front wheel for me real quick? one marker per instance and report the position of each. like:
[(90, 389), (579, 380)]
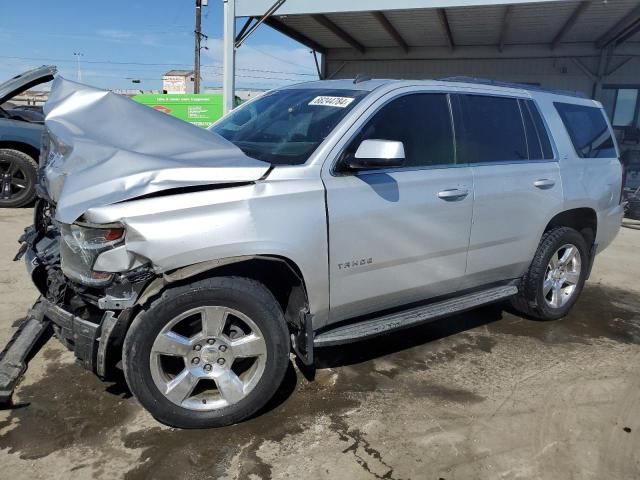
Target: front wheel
[(556, 276), (207, 354)]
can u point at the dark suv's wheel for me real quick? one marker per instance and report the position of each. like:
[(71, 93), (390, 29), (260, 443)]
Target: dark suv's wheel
[(207, 354), (18, 175), (556, 276)]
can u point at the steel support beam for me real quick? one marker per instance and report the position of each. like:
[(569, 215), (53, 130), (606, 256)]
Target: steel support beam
[(568, 25), (229, 56), (619, 66), (244, 28), (504, 28), (255, 8), (444, 23), (294, 34), (629, 33), (259, 21), (584, 68), (391, 30), (481, 52), (603, 66), (621, 28), (338, 32)]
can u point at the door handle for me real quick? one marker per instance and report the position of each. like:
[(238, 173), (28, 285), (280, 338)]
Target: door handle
[(544, 183), (453, 194)]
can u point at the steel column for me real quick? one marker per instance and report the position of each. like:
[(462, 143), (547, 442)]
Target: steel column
[(229, 57)]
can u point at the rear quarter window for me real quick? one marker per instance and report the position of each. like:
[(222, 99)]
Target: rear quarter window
[(588, 130)]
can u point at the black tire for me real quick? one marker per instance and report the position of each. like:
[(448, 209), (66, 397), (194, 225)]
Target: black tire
[(633, 209), (530, 299), (244, 295), (24, 170)]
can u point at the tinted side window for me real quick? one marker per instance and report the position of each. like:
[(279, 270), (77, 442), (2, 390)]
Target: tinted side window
[(537, 137), (588, 130), (533, 138), (421, 121), (491, 129), (543, 136)]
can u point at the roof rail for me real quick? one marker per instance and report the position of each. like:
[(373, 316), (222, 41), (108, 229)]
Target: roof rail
[(361, 77), (523, 86)]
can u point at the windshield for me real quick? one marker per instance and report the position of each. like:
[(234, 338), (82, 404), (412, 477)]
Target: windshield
[(285, 127)]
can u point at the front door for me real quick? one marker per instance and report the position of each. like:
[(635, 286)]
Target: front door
[(399, 235)]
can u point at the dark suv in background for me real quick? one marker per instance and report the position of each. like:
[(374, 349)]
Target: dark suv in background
[(20, 138)]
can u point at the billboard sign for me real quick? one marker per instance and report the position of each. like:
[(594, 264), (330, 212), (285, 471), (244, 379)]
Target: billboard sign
[(201, 110)]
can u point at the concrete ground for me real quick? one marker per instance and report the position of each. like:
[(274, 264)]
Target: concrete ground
[(484, 395)]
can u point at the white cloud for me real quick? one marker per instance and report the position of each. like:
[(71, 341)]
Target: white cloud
[(261, 66), (114, 34)]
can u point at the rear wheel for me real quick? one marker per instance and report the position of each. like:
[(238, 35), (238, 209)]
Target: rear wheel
[(207, 354), (18, 175), (556, 275)]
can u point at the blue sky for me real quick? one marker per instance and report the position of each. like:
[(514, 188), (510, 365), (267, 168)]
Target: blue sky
[(123, 40)]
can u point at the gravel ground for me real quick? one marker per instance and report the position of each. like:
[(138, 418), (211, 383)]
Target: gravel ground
[(483, 395)]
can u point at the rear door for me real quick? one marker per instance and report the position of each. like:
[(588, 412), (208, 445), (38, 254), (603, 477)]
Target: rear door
[(516, 178), (398, 235)]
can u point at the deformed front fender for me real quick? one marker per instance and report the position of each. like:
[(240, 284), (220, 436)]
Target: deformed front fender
[(203, 230), (159, 284)]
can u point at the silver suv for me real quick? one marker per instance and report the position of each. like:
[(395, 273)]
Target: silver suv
[(314, 215)]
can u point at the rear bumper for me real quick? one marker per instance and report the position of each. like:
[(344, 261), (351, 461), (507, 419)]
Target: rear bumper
[(609, 226)]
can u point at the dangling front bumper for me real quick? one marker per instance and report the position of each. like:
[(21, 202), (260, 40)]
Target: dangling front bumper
[(84, 319)]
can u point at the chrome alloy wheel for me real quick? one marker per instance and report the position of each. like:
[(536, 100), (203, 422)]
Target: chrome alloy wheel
[(208, 358), (14, 181), (562, 276)]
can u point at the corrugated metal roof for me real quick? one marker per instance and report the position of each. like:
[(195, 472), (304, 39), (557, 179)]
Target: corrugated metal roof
[(598, 18), (418, 27), (364, 28), (468, 30), (310, 28), (532, 23)]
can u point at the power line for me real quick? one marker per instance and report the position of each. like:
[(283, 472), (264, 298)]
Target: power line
[(158, 79), (145, 64)]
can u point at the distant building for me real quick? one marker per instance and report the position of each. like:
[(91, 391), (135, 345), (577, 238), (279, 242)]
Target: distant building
[(178, 81), (31, 97)]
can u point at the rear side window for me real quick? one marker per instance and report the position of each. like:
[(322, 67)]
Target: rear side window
[(421, 121), (537, 136), (588, 130), (489, 129)]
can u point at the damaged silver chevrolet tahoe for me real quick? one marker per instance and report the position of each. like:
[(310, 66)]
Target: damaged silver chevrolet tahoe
[(312, 216)]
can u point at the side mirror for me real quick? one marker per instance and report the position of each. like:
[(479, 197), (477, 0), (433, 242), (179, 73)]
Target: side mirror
[(378, 154)]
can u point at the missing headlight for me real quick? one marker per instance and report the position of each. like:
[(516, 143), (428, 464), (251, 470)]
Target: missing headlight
[(81, 244)]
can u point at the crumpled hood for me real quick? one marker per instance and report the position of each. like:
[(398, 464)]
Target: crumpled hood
[(114, 149), (26, 80)]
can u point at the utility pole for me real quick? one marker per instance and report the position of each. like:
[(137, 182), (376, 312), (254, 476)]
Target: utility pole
[(78, 55), (198, 37)]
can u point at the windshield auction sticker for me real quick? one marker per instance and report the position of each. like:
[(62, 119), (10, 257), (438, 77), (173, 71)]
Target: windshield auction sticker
[(340, 102)]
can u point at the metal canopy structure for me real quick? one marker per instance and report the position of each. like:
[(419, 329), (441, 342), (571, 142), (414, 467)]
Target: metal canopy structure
[(418, 39)]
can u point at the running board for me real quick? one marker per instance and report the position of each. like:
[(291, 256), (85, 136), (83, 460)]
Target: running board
[(411, 317)]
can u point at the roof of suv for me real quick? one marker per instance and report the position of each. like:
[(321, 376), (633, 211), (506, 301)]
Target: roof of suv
[(456, 82)]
